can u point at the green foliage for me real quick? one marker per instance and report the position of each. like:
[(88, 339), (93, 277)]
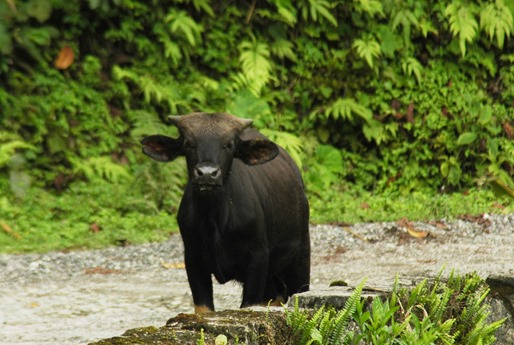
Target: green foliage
[(349, 205), (496, 20), (255, 64), (462, 23), (142, 209), (368, 49), (325, 326), (9, 145), (446, 312), (86, 216), (392, 96)]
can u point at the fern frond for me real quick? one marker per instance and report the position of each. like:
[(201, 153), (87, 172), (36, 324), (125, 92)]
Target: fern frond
[(345, 108), (203, 5), (100, 168), (440, 304), (290, 142), (321, 8), (284, 49), (371, 7), (496, 20), (412, 66), (343, 317), (367, 49), (180, 23), (407, 20), (286, 11), (9, 144), (326, 324), (462, 23), (307, 328), (171, 48), (255, 64)]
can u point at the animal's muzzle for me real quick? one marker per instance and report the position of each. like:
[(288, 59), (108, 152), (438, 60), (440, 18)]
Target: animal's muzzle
[(207, 176)]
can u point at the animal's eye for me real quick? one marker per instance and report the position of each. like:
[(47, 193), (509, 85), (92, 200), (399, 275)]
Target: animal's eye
[(188, 144), (229, 145)]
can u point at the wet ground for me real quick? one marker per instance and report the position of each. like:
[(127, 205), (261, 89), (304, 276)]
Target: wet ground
[(78, 297)]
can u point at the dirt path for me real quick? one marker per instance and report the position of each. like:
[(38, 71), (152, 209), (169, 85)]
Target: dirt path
[(74, 298)]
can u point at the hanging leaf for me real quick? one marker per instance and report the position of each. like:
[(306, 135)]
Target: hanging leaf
[(65, 58)]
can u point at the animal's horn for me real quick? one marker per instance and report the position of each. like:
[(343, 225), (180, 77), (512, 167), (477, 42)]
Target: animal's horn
[(174, 119), (246, 122)]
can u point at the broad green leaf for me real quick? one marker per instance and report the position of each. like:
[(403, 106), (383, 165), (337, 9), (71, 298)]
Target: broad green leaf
[(39, 9), (330, 158), (486, 116), (5, 40), (466, 138), (390, 42), (492, 148), (93, 4)]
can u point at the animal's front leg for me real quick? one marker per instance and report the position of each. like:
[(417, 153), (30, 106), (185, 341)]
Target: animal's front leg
[(255, 280), (200, 283)]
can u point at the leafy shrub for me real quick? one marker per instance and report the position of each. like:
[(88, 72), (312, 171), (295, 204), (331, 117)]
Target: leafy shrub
[(85, 216), (446, 312), (401, 95)]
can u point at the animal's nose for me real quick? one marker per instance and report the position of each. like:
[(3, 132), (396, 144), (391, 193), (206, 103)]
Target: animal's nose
[(207, 172)]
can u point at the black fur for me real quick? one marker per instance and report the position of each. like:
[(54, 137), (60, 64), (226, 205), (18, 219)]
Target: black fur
[(250, 224)]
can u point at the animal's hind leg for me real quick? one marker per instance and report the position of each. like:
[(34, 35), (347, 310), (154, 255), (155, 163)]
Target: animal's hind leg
[(276, 291), (297, 275)]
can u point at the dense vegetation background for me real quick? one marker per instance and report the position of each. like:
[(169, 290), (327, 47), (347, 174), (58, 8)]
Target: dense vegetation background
[(394, 97)]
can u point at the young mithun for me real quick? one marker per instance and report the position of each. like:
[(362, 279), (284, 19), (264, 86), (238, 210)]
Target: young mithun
[(244, 215)]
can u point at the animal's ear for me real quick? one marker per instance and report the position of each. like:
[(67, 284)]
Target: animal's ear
[(162, 148), (256, 151)]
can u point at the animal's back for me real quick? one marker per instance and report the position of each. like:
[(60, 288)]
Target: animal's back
[(279, 187)]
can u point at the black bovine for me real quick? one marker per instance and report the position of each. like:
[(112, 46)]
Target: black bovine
[(244, 214)]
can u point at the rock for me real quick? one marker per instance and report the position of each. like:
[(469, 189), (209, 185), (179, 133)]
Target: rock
[(335, 296), (501, 300), (239, 326), (267, 325)]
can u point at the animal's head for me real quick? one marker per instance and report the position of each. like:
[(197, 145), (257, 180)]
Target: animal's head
[(209, 142)]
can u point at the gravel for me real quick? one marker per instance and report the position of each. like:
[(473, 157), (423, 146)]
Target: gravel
[(78, 297)]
